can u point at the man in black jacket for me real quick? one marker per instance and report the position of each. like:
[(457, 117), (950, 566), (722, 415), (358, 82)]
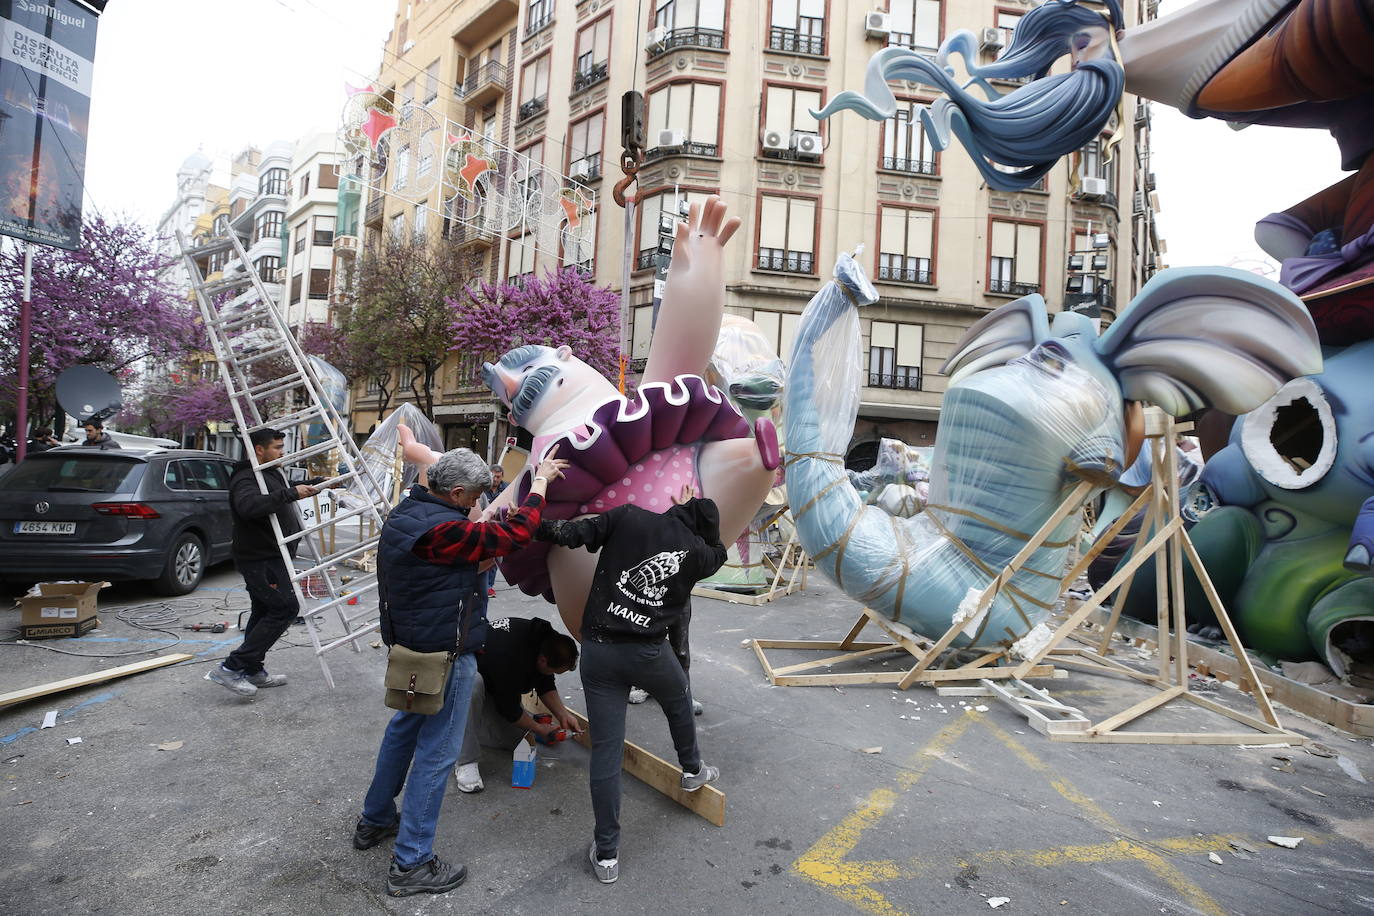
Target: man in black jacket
[(96, 437), (259, 561), (644, 577), (521, 654)]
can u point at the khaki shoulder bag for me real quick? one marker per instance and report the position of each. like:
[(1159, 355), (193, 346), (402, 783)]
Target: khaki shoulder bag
[(417, 681)]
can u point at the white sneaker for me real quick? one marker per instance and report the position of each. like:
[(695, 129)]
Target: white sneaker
[(469, 777), (638, 695)]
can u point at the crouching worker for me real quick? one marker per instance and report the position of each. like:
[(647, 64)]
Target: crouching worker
[(432, 600), (644, 577), (521, 654)]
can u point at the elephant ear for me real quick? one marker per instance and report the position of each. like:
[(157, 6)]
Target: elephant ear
[(999, 337), (1210, 337)]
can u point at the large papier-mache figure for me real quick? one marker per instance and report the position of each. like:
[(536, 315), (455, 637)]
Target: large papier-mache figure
[(1032, 409), (1289, 544), (677, 431)]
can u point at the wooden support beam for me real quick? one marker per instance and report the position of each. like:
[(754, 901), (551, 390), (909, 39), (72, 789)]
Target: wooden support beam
[(656, 773), (86, 680)]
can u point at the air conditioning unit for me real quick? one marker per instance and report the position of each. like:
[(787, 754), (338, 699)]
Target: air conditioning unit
[(655, 38), (775, 140), (877, 25), (580, 169), (672, 137), (806, 144), (991, 39), (1093, 187)]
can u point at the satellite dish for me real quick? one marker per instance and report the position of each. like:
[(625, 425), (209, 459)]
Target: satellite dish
[(86, 392)]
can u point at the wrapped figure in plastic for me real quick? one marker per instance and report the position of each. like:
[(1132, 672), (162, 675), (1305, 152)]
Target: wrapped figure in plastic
[(1031, 410)]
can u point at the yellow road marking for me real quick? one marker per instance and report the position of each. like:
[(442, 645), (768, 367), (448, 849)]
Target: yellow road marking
[(826, 864)]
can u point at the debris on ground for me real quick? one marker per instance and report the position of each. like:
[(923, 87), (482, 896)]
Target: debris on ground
[(995, 902), (1317, 749), (1287, 842), (73, 740), (49, 719), (1313, 791), (1214, 858), (170, 745), (871, 750)]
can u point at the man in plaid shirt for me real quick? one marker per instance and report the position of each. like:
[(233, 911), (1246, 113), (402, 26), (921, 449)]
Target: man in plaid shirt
[(432, 600)]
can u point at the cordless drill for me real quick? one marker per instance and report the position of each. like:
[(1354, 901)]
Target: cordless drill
[(556, 736), (219, 627)]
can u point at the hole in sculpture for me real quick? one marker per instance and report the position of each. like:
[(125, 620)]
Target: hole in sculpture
[(1297, 434)]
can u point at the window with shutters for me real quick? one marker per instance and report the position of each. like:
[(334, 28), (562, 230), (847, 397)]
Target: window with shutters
[(534, 87), (797, 26), (397, 226), (584, 146), (894, 355), (780, 330), (787, 234), (400, 168), (689, 23), (324, 230), (915, 23), (658, 216), (329, 178), (592, 62), (297, 283), (520, 258), (319, 283), (906, 148), (305, 185), (579, 245), (538, 14), (1015, 251), (906, 245), (684, 117), (298, 237), (421, 222), (787, 110)]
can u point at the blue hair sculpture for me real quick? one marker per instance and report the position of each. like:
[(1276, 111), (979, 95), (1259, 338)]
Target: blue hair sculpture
[(1027, 129)]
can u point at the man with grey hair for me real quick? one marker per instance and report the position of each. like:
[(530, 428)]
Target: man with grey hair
[(431, 600)]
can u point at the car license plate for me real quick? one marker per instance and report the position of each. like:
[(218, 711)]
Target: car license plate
[(45, 527)]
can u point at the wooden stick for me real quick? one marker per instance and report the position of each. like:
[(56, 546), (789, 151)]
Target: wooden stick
[(1161, 563), (1124, 592), (1176, 598), (1224, 619), (1102, 594), (1104, 540), (86, 680), (1130, 713), (659, 774), (833, 659)]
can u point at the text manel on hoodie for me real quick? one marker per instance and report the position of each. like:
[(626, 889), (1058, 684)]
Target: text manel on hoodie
[(647, 565)]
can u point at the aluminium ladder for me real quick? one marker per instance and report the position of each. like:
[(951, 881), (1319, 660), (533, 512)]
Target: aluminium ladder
[(292, 397)]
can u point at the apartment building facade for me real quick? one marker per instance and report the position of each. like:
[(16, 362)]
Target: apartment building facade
[(728, 87)]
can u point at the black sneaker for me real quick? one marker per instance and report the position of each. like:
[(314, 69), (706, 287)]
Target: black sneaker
[(434, 877), (366, 835)]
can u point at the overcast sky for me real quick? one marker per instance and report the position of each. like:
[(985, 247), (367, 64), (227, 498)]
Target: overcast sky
[(173, 76)]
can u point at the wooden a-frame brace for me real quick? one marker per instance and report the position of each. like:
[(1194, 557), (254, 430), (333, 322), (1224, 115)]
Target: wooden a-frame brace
[(1164, 536)]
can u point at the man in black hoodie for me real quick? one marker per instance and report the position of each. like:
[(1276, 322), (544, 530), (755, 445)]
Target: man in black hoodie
[(643, 581), (96, 437), (259, 561)]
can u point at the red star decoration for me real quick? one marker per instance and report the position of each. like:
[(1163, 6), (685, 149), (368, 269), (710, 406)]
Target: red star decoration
[(377, 124), (474, 168)]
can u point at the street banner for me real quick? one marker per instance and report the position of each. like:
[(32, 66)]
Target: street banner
[(47, 53)]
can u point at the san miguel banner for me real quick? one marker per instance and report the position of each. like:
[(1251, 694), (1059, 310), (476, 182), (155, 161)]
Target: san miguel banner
[(47, 53)]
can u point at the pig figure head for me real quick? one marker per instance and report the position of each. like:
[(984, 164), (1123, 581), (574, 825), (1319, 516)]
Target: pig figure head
[(547, 390)]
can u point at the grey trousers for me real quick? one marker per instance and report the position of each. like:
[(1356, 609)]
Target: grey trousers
[(486, 727), (608, 670)]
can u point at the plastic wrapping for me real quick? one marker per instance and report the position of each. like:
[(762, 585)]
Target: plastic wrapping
[(1014, 440), (746, 368), (379, 451), (899, 482)]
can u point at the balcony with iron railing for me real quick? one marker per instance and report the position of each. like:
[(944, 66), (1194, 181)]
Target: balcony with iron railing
[(1012, 288), (647, 259), (690, 148), (792, 262), (910, 166), (586, 169), (794, 42), (891, 269), (689, 38), (373, 214), (532, 108), (587, 77), (535, 26), (906, 378), (487, 82)]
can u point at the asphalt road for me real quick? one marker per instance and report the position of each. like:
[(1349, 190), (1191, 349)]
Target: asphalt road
[(249, 808)]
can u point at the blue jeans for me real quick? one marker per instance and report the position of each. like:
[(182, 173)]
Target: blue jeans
[(418, 752)]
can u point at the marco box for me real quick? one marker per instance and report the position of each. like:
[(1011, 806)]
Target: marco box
[(59, 609)]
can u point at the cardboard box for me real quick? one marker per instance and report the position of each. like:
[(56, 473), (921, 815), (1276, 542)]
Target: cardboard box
[(59, 609), (523, 763)]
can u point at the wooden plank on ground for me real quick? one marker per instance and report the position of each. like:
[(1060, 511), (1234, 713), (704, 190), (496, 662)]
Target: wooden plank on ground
[(657, 773), (86, 680)]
